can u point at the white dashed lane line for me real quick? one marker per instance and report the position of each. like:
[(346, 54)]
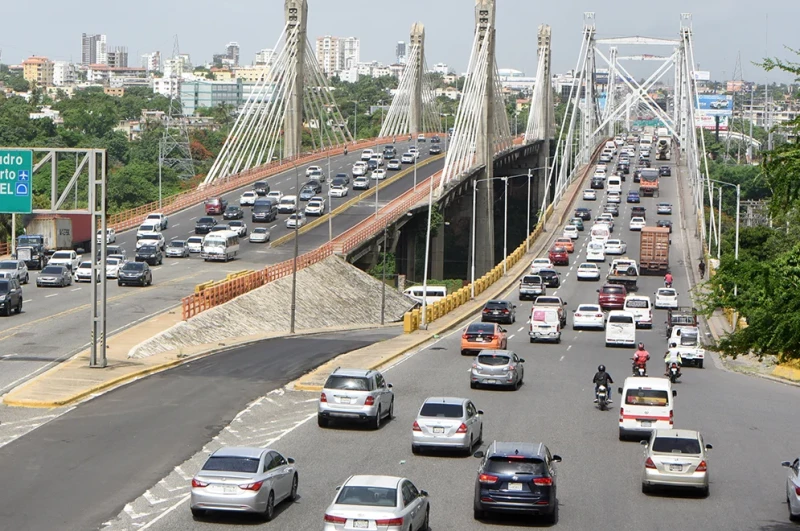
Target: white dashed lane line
[(53, 295), (521, 328)]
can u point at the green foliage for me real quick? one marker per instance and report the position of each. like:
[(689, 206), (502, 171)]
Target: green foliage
[(391, 266)]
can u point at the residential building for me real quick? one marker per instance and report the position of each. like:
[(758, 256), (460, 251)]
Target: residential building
[(38, 70), (441, 68), (207, 93), (396, 70), (349, 75), (400, 52), (330, 54), (64, 73), (117, 92), (151, 62), (449, 92), (178, 66), (232, 51), (105, 75), (93, 49), (46, 112), (221, 74), (250, 74), (449, 79), (265, 57), (117, 57), (351, 52), (166, 86)]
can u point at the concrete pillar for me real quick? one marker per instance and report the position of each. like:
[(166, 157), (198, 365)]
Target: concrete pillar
[(296, 12), (415, 125), (548, 112), (411, 254), (484, 222), (437, 254)]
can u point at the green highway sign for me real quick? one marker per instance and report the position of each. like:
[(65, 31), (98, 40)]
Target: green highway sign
[(16, 181)]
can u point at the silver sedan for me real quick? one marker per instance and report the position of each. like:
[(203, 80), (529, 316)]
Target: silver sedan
[(240, 479), (259, 235), (497, 367), (675, 458), (449, 423), (793, 488)]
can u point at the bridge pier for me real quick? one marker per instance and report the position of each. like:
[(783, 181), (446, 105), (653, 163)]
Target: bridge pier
[(437, 254)]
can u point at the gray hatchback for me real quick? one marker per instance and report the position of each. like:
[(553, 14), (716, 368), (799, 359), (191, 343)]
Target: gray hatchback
[(497, 367), (357, 395)]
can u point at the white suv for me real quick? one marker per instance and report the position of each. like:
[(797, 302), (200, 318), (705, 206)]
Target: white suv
[(356, 395)]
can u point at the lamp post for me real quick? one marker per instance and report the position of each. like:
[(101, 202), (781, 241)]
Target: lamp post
[(736, 245), (293, 308), (355, 124), (505, 226), (160, 164), (424, 320), (383, 272)]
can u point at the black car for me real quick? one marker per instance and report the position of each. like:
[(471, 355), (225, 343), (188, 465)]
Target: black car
[(516, 478), (314, 185), (220, 228), (665, 171), (10, 296), (233, 212), (435, 149), (372, 164), (637, 175), (151, 254), (664, 223), (598, 183), (646, 163), (135, 273), (435, 140), (499, 312), (261, 188), (204, 225), (342, 176), (638, 211), (339, 181), (611, 208), (584, 213), (550, 277)]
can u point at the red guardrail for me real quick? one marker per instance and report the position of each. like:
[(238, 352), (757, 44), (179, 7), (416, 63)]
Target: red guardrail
[(5, 248)]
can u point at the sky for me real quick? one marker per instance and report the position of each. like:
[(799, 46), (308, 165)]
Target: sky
[(722, 29)]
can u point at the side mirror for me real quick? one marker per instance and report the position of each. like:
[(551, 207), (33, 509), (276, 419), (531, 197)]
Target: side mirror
[(643, 442), (479, 454), (423, 494), (521, 360), (80, 250), (556, 458), (674, 393), (619, 390), (480, 412), (597, 290), (564, 303), (709, 447), (389, 386), (786, 464), (338, 487), (290, 460)]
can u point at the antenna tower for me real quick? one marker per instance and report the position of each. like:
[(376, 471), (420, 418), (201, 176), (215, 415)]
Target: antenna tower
[(175, 151)]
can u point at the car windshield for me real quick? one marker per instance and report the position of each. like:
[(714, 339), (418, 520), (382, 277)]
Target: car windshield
[(147, 249), (612, 290), (588, 308), (369, 496), (493, 359), (62, 255), (134, 266), (85, 265), (351, 383), (52, 270), (112, 261), (637, 303), (8, 265), (4, 286), (620, 319), (544, 316), (496, 305), (647, 397), (688, 339), (448, 411), (248, 465), (531, 279), (194, 240), (177, 243), (675, 445), (515, 465), (235, 224), (205, 220), (480, 328), (666, 292), (29, 240), (260, 230), (547, 273)]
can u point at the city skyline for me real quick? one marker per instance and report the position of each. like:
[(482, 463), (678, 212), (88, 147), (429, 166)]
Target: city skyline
[(449, 32)]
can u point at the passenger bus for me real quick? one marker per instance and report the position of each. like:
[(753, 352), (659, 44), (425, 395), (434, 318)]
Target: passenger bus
[(222, 245)]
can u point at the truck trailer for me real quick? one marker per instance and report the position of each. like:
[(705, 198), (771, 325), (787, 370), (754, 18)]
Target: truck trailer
[(654, 250)]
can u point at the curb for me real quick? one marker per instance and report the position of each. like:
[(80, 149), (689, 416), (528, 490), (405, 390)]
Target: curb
[(353, 201), (129, 378)]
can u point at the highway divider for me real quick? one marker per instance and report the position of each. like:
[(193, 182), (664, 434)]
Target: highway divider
[(353, 201)]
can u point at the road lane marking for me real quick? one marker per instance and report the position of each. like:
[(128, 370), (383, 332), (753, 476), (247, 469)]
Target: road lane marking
[(521, 328), (194, 218), (569, 347), (53, 295), (76, 289), (562, 358), (176, 225), (27, 300), (512, 335)]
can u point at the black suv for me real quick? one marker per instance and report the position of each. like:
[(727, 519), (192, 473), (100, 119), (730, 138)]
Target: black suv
[(342, 176), (135, 273), (261, 187), (204, 225), (435, 149), (314, 185), (516, 478), (499, 312), (638, 211), (10, 296), (611, 208), (389, 152), (584, 213), (550, 278), (151, 254), (233, 212), (598, 183), (665, 171)]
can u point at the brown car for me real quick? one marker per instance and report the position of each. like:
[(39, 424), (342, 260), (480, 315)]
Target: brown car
[(612, 296)]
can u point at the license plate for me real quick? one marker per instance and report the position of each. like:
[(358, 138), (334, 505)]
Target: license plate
[(491, 381), (646, 423), (515, 486), (228, 489), (344, 400), (438, 430), (480, 340), (675, 468), (496, 313), (361, 524)]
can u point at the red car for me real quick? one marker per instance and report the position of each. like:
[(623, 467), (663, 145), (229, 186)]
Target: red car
[(216, 206), (612, 297), (559, 256)]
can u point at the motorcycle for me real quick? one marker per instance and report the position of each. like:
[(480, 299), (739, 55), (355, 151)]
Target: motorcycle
[(667, 284), (674, 373), (602, 398), (639, 370)]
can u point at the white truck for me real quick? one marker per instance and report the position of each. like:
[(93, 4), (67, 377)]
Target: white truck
[(545, 324), (71, 259), (686, 341)]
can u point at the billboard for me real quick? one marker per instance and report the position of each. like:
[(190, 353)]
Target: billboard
[(709, 121), (701, 75), (716, 104)]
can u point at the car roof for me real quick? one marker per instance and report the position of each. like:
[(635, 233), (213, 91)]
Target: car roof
[(498, 301), (352, 372), (240, 451), (453, 400), (386, 482), (495, 352), (588, 304), (516, 448), (678, 433)]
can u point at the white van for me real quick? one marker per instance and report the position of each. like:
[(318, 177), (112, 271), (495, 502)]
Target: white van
[(220, 245), (620, 328), (433, 293), (148, 228), (614, 184), (642, 309), (288, 204), (645, 405), (545, 324), (600, 233)]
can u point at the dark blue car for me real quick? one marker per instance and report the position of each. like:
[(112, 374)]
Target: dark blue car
[(518, 478), (633, 197)]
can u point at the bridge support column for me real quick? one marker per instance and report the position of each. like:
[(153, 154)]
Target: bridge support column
[(437, 255), (296, 12), (418, 38), (411, 255)]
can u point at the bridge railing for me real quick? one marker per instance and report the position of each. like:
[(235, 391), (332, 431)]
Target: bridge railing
[(5, 248)]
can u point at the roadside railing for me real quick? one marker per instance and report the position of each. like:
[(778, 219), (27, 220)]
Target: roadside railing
[(5, 248)]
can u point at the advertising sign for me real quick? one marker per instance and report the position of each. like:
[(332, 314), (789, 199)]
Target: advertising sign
[(708, 121), (16, 170), (716, 104), (701, 75)]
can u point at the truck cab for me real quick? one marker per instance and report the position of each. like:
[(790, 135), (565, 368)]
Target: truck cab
[(551, 301), (624, 272), (530, 287), (685, 340), (31, 250)]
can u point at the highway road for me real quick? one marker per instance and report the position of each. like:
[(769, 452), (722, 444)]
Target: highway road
[(54, 323), (76, 471)]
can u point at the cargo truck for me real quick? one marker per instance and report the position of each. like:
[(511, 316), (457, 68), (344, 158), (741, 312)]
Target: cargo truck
[(58, 232), (654, 250), (648, 182), (663, 148)]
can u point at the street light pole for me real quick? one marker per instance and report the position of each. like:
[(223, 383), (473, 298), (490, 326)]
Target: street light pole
[(160, 163), (505, 228), (472, 275), (528, 222), (719, 226), (424, 323), (293, 308), (383, 272)]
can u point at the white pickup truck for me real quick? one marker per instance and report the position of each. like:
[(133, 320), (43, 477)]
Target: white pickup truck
[(71, 259), (545, 324), (687, 343)]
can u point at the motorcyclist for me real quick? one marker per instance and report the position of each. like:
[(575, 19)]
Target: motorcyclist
[(668, 280), (702, 268), (672, 356), (345, 150), (641, 357), (601, 377)]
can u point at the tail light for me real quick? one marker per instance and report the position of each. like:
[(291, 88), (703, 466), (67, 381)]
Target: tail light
[(543, 482), (416, 427), (252, 486), (335, 519), (390, 521), (797, 490), (196, 484), (323, 398), (370, 401), (702, 467), (621, 411), (492, 337), (671, 415), (462, 428), (650, 464), (487, 478), (578, 314), (599, 315), (505, 311), (463, 336), (486, 310)]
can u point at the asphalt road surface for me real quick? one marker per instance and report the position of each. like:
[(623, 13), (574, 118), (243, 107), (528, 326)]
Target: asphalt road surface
[(55, 322)]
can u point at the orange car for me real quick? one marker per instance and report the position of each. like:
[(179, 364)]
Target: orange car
[(566, 243), (480, 336)]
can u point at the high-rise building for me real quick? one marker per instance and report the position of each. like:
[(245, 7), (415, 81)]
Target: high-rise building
[(265, 57), (93, 49), (117, 57), (351, 52), (441, 68), (64, 73), (38, 71), (335, 54), (152, 62), (232, 52), (400, 52)]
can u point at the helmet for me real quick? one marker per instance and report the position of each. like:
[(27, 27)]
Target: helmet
[(641, 346), (601, 368)]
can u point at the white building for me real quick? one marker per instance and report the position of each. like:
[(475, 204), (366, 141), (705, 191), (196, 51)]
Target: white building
[(441, 68), (265, 57), (152, 62), (336, 53), (351, 52), (64, 73), (166, 86), (516, 80), (349, 75), (400, 52)]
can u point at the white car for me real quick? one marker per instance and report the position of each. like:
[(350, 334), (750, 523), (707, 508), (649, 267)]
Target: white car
[(589, 195), (359, 169), (378, 175), (378, 158), (248, 199), (588, 271), (366, 154), (338, 190), (407, 158), (157, 219), (589, 316), (195, 244), (296, 220), (571, 232), (259, 235), (71, 259), (596, 251), (360, 183), (394, 164), (540, 263), (177, 249), (617, 247), (666, 298), (238, 226), (315, 207), (614, 197), (112, 267), (275, 196), (793, 487), (84, 272), (637, 223), (111, 236), (608, 219), (150, 238), (314, 169)]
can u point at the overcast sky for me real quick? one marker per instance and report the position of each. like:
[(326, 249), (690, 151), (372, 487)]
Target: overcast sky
[(722, 29)]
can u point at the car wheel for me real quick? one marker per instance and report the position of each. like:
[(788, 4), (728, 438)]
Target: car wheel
[(478, 514), (119, 283), (391, 410), (468, 449), (322, 422), (269, 511), (19, 306), (473, 385), (198, 513), (8, 310), (426, 524), (415, 449), (645, 488), (480, 435), (532, 340), (700, 364), (293, 492), (552, 518), (704, 491), (376, 424), (793, 517)]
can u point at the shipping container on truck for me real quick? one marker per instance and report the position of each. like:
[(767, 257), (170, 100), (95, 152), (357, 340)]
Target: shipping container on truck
[(648, 182), (654, 250), (63, 231)]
